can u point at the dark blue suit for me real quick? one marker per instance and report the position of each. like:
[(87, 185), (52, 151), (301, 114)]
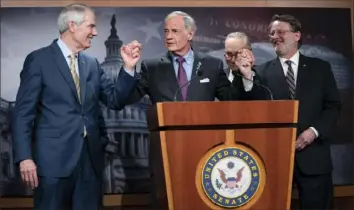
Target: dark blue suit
[(48, 124)]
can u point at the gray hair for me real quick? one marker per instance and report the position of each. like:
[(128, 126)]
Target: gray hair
[(240, 35), (189, 22), (73, 12)]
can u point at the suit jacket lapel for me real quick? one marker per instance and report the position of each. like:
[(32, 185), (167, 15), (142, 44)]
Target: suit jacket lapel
[(301, 75), (192, 89), (168, 74), (83, 71), (278, 80), (63, 66)]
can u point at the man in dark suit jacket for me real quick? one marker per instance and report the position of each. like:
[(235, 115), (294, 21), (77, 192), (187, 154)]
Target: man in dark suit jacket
[(310, 81), (163, 76), (56, 136)]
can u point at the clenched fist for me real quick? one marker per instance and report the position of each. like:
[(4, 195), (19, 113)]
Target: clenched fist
[(131, 54)]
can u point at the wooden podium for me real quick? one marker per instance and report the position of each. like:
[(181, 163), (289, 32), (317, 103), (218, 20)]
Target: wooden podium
[(222, 155)]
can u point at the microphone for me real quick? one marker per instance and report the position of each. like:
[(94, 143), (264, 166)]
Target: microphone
[(258, 84), (198, 72)]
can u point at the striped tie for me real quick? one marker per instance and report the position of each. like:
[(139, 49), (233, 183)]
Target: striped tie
[(76, 80), (290, 79), (74, 74)]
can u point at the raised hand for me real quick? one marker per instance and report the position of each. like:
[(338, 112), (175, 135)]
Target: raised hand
[(131, 54), (244, 62)]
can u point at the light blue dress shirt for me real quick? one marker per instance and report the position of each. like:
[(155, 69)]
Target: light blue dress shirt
[(67, 52), (187, 65)]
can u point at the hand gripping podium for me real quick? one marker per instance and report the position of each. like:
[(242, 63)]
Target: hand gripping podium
[(222, 155)]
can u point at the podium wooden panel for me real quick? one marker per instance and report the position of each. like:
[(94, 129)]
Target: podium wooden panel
[(183, 133)]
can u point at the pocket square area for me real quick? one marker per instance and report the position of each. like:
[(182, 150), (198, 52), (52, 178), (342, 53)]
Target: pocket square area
[(205, 80)]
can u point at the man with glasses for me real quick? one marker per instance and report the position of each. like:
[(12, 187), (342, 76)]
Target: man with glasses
[(235, 44), (294, 76), (240, 61)]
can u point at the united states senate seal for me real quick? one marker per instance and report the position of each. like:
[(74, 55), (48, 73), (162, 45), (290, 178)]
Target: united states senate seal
[(231, 176)]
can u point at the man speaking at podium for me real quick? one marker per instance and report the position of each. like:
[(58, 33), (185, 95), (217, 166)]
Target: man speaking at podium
[(56, 137), (293, 76), (181, 74)]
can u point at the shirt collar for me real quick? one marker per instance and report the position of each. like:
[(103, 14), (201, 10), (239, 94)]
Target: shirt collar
[(188, 57), (64, 48), (294, 59)]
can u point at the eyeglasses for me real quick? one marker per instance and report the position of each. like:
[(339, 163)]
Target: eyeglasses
[(230, 55), (279, 33)]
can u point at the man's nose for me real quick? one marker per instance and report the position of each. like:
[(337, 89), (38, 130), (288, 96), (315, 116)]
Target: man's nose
[(274, 36), (94, 32)]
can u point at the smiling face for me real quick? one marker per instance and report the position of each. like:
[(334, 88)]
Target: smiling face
[(177, 36), (83, 34), (284, 39)]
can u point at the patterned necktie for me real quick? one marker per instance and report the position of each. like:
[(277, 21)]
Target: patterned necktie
[(290, 79), (76, 80), (182, 77), (74, 74)]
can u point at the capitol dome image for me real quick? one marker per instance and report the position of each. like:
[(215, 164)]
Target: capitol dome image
[(126, 158)]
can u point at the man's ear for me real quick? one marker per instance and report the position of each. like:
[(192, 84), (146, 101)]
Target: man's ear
[(298, 36), (72, 26), (190, 35)]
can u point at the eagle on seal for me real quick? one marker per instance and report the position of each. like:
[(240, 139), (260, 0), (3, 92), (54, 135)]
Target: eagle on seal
[(231, 182)]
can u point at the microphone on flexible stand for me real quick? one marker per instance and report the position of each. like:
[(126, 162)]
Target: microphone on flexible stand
[(258, 84), (198, 72)]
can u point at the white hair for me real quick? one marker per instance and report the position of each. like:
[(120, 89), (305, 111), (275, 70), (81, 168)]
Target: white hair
[(189, 22), (240, 35), (74, 13)]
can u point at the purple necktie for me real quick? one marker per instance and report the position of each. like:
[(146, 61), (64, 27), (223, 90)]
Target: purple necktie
[(182, 77)]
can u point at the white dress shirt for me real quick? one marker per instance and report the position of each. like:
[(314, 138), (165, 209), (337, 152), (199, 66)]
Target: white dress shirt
[(246, 83), (294, 64)]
